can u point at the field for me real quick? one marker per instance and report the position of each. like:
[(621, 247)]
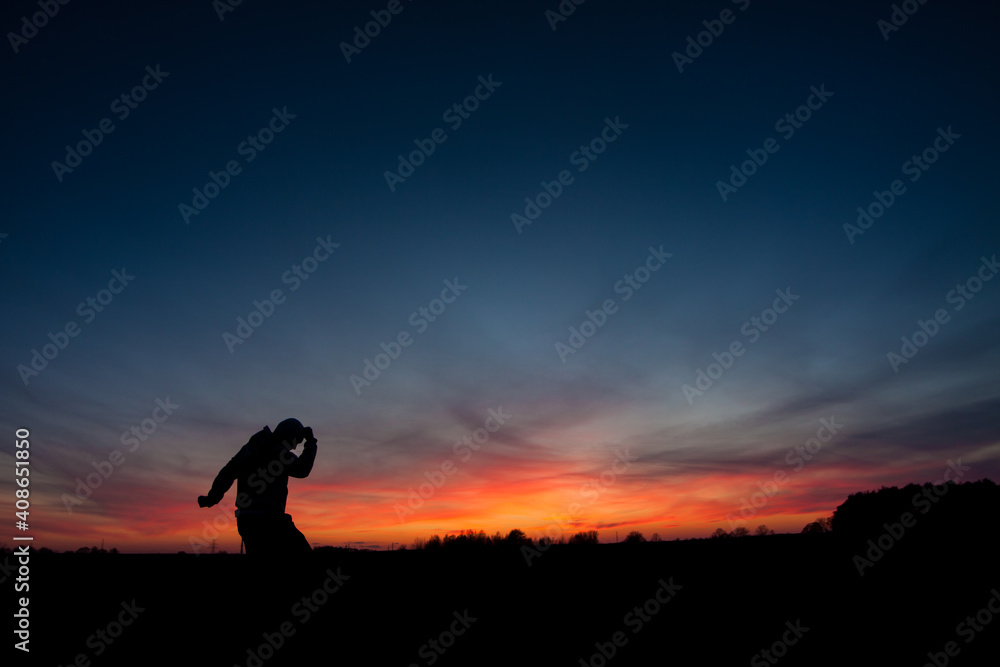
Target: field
[(715, 601)]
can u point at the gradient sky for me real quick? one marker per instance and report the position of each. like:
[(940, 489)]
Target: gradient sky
[(691, 463)]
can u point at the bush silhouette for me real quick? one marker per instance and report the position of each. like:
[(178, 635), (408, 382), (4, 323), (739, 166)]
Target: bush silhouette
[(585, 537), (634, 537)]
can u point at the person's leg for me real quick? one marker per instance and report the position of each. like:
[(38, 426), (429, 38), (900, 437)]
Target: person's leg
[(249, 531), (261, 589), (300, 565), (295, 541), (272, 537)]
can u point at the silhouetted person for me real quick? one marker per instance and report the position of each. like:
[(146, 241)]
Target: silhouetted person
[(262, 468)]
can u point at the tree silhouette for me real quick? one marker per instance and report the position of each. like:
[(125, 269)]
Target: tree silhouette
[(741, 532), (585, 537), (719, 534), (467, 539), (517, 537), (763, 530), (634, 537), (478, 539), (823, 525)]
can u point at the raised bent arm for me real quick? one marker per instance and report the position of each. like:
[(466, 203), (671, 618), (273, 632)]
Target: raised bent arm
[(302, 466)]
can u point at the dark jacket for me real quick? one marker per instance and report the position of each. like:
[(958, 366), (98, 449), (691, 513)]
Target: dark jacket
[(262, 468)]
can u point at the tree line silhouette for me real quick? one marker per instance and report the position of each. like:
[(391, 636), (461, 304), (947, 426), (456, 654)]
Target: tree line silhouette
[(951, 505), (949, 508)]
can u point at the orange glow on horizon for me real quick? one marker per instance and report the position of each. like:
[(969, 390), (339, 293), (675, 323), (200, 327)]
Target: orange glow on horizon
[(370, 514)]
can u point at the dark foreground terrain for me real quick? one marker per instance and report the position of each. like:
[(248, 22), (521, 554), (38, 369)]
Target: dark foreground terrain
[(713, 601)]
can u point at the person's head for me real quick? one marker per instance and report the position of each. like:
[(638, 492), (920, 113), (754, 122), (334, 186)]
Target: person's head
[(289, 433)]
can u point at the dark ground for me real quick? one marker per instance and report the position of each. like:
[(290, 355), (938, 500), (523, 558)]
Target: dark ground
[(735, 598)]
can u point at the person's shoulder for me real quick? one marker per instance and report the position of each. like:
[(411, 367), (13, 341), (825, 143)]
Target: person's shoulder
[(263, 435), (258, 440)]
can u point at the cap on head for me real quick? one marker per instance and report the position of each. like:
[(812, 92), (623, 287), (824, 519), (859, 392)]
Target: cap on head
[(289, 432)]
